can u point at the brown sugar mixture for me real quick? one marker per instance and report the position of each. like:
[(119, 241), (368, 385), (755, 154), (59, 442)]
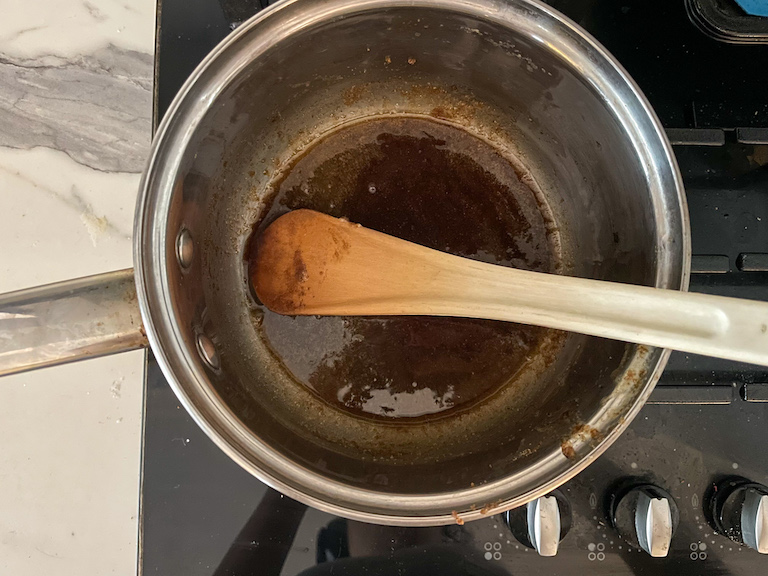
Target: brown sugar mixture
[(439, 186)]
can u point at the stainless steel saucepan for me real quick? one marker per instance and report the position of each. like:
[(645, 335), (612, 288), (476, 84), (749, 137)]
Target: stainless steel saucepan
[(513, 72)]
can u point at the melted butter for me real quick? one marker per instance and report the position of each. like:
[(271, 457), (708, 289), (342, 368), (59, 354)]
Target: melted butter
[(438, 186)]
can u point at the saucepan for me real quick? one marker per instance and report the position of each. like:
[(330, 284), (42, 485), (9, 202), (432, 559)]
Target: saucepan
[(513, 74)]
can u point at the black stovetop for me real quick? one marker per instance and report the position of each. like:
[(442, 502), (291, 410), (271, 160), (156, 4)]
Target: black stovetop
[(203, 515)]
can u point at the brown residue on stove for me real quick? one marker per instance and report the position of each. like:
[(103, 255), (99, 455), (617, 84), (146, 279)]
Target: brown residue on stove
[(459, 519)]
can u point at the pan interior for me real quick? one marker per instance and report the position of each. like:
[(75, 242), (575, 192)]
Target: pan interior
[(538, 173), (434, 184)]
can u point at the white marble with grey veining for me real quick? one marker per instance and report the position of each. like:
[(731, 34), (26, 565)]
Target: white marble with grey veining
[(92, 107), (75, 121)]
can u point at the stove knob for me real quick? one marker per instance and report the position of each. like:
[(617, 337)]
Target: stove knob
[(646, 517), (541, 524), (739, 509)]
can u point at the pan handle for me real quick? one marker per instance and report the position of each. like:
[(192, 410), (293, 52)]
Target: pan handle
[(69, 321)]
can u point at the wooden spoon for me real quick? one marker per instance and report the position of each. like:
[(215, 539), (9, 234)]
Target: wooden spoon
[(309, 263)]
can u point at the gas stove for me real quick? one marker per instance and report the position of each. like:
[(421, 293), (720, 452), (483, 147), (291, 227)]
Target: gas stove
[(691, 470)]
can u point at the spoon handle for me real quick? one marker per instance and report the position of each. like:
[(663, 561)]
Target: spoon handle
[(730, 328)]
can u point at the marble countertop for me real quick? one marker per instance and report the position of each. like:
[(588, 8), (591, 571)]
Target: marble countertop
[(75, 126)]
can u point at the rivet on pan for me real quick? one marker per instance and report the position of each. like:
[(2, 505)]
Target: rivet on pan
[(207, 351), (185, 248)]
